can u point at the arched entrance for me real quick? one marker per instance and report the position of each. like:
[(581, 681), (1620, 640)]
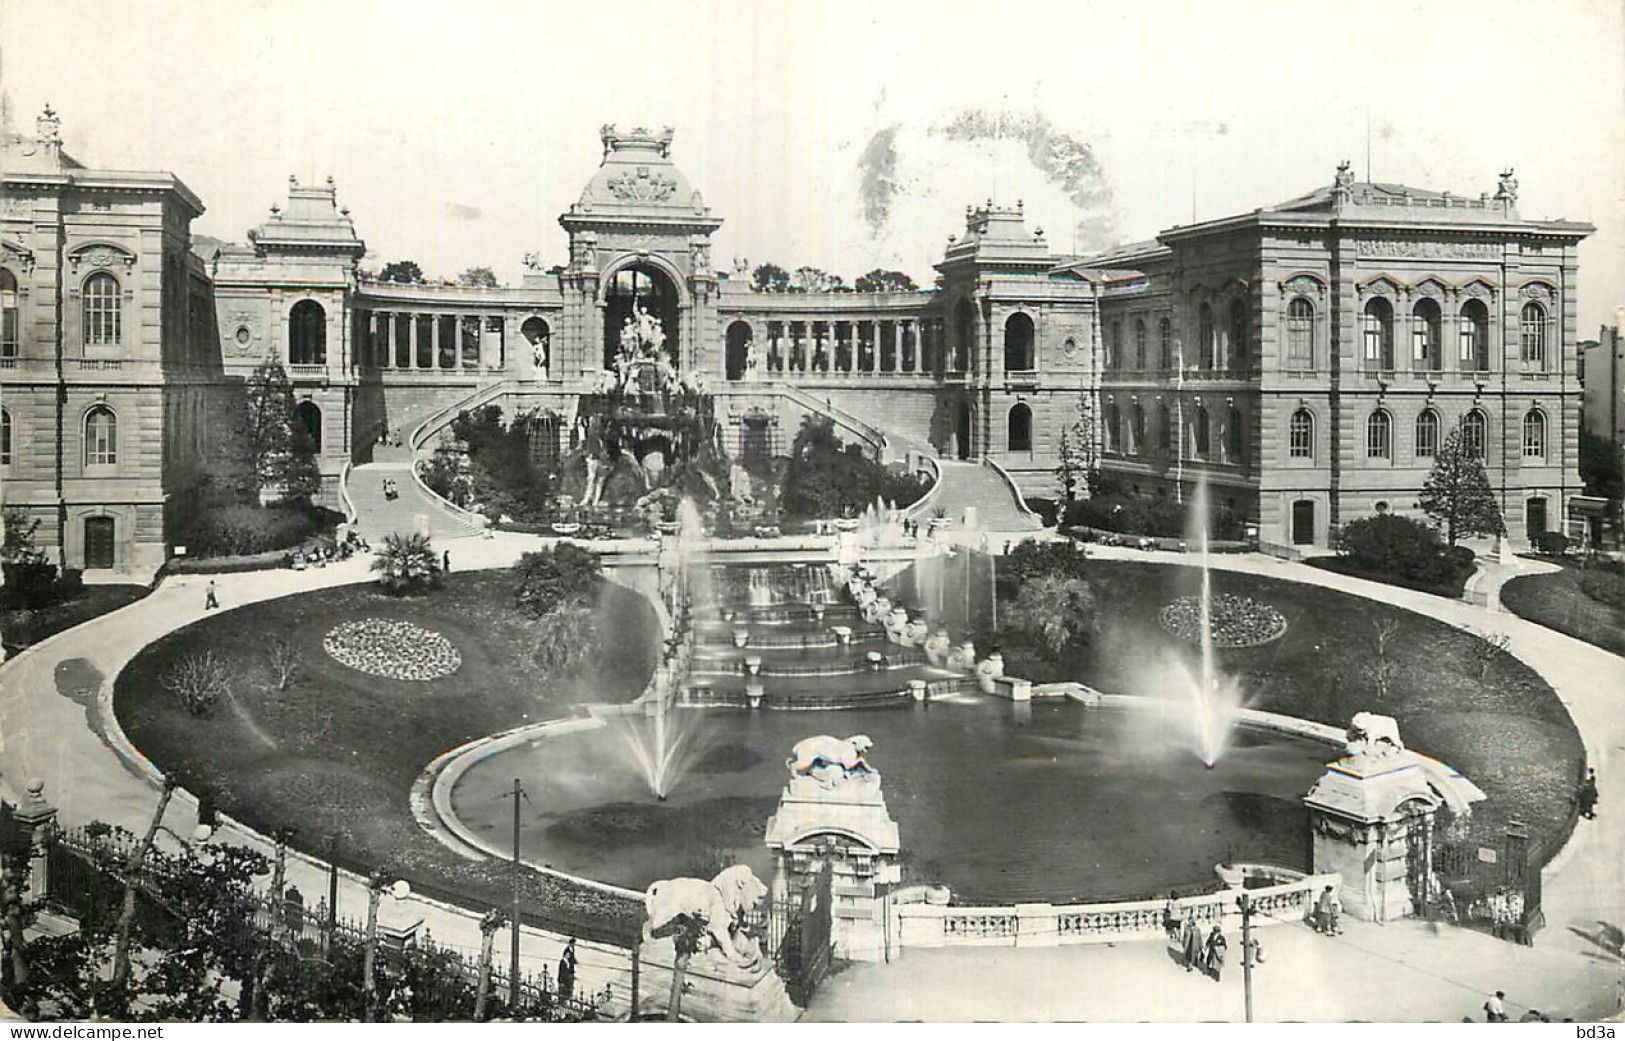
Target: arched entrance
[(738, 352), (310, 421), (1535, 517), (644, 290), (962, 430), (1020, 432), (99, 552)]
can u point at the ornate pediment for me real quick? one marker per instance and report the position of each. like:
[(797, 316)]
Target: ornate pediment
[(14, 253), (1303, 285), (1382, 285), (1543, 292), (1479, 288), (642, 185), (1431, 286), (94, 255)]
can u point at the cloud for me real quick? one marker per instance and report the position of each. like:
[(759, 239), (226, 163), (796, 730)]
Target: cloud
[(462, 211)]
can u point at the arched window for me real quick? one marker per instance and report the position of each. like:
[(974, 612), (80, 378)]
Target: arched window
[(1165, 431), (307, 334), (1300, 334), (103, 326), (1018, 343), (1020, 430), (1475, 336), (310, 423), (5, 437), (1114, 428), (1139, 345), (1532, 328), (1136, 434), (1166, 332), (101, 437), (1235, 438), (1301, 435), (10, 331), (1426, 320), (1427, 434), (1379, 436), (1474, 434), (1201, 433), (1204, 336), (1534, 434), (1238, 336), (738, 357), (1377, 329)]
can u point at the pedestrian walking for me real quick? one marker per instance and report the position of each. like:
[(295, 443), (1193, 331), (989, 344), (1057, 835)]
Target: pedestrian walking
[(1495, 1010), (1170, 918), (1327, 911), (210, 599), (1192, 941), (567, 969), (445, 561), (1586, 795), (1216, 947)]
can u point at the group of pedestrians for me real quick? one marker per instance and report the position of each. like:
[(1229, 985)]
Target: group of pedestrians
[(1198, 953)]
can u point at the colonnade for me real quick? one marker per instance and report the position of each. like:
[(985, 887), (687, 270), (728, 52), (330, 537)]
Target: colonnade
[(901, 346), (429, 341)]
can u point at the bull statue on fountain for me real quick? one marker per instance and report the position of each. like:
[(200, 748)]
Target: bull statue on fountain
[(831, 761)]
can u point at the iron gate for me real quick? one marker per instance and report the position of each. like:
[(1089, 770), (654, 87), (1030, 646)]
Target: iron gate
[(1493, 888), (798, 937)]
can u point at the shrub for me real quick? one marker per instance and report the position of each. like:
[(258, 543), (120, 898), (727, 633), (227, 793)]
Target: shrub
[(406, 563), (549, 577), (1604, 587), (1053, 611), (1405, 552), (827, 478), (240, 529), (1032, 559), (1551, 543), (198, 681), (30, 584)]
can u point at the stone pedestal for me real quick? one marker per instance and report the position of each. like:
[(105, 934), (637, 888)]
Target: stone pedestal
[(714, 990), (1362, 814), (843, 828)]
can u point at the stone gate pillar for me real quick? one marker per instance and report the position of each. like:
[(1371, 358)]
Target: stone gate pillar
[(1369, 816), (832, 816)]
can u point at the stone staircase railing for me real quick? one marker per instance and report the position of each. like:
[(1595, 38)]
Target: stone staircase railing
[(1015, 491), (870, 435), (441, 417)]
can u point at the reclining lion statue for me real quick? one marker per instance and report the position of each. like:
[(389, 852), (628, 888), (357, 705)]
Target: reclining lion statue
[(830, 760), (718, 907)]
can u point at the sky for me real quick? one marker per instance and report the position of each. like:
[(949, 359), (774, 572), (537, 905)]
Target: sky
[(458, 132)]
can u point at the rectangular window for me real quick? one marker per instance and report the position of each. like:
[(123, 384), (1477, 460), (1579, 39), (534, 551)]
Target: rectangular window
[(1376, 440), (1534, 440), (1300, 447), (1373, 341), (1300, 341), (471, 342), (8, 333)]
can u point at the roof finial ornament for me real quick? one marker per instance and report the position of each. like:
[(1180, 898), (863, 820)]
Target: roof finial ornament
[(1506, 190), (1343, 183), (48, 126), (293, 181)]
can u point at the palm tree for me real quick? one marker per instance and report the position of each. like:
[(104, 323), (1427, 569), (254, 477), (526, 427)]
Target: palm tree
[(406, 563)]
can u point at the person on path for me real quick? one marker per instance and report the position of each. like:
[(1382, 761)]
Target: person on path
[(1192, 942), (1586, 795), (567, 969), (1327, 910), (445, 561), (1216, 947), (1495, 1010), (210, 599), (1170, 918)]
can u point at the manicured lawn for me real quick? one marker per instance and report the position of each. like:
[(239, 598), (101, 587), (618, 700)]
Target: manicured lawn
[(1507, 732), (23, 628), (1556, 600), (1450, 591), (336, 754)]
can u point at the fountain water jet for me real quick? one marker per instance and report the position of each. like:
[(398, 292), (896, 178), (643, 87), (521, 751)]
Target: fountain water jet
[(1212, 700)]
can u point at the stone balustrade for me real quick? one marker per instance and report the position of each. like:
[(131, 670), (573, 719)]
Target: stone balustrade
[(1048, 925)]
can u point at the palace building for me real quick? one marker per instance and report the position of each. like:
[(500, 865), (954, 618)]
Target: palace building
[(1308, 357)]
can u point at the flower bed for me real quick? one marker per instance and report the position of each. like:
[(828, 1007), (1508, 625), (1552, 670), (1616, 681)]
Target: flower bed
[(1237, 621), (393, 649)]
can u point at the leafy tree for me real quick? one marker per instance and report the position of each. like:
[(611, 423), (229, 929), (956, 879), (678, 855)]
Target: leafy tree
[(564, 638), (266, 450), (1602, 466), (30, 577), (816, 280), (1068, 471), (406, 563), (770, 278), (1457, 494), (478, 276), (401, 271), (1053, 611), (1034, 559), (825, 478), (502, 475), (882, 280), (550, 578)]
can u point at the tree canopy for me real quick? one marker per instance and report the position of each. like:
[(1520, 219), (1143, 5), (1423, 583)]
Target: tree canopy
[(1457, 495), (884, 280), (770, 278), (1602, 466), (478, 276), (401, 271)]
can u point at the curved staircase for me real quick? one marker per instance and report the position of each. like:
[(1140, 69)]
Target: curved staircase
[(981, 487), (414, 509)]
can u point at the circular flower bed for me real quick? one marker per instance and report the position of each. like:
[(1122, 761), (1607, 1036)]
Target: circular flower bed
[(392, 649), (1237, 620)]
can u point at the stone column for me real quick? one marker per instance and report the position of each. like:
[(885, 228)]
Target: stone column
[(411, 340), (37, 819)]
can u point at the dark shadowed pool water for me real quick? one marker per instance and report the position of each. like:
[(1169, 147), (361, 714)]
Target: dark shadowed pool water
[(1002, 804)]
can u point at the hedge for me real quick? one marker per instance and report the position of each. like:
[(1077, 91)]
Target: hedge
[(270, 559)]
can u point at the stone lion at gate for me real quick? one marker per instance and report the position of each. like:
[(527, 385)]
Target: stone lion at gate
[(718, 907), (830, 760), (1374, 736)]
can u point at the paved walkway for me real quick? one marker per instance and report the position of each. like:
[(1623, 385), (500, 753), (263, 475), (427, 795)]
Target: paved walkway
[(51, 727)]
